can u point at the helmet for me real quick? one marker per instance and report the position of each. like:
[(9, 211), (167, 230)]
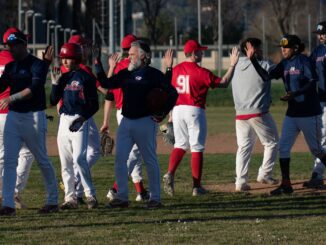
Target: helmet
[(290, 41), (127, 40), (71, 51), (15, 34), (79, 39)]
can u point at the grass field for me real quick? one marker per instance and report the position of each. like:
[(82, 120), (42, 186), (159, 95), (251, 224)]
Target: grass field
[(217, 218)]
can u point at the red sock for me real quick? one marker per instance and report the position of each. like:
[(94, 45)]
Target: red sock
[(175, 159), (115, 186), (139, 187), (196, 167)]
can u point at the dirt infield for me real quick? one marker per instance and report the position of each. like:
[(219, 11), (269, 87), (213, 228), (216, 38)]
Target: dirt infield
[(222, 143), (258, 188)]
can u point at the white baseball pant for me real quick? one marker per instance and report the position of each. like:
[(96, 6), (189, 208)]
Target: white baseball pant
[(72, 148), (142, 132), (247, 131), (29, 128), (93, 154), (319, 166), (189, 127)]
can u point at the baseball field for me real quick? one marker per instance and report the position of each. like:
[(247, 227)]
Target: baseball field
[(221, 217)]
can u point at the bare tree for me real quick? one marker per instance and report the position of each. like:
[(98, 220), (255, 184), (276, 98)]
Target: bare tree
[(151, 9)]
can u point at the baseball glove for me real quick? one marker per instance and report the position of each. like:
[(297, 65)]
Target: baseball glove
[(167, 133), (107, 144)]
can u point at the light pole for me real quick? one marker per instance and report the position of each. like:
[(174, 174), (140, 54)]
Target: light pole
[(65, 34), (72, 31), (199, 21), (34, 30), (48, 23), (56, 27), (19, 14), (28, 13)]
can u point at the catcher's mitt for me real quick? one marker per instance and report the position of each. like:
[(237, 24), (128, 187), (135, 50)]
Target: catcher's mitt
[(107, 144), (167, 133)]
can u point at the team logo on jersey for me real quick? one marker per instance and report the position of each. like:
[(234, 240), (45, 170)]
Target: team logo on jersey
[(292, 71), (138, 78), (320, 59), (73, 86)]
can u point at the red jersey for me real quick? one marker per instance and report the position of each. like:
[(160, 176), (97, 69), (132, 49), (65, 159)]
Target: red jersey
[(117, 93), (192, 83), (83, 67), (5, 58)]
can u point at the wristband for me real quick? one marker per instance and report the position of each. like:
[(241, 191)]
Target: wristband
[(16, 96)]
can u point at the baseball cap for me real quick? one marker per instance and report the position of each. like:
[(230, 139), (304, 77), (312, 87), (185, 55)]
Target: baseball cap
[(13, 35), (127, 40), (290, 41), (193, 45), (79, 39), (321, 28)]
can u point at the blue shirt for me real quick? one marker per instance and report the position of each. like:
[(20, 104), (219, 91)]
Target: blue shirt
[(78, 92), (28, 73), (318, 59), (299, 77)]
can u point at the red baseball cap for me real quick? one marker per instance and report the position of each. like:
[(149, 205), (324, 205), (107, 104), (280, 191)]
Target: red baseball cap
[(9, 31), (193, 45), (79, 39), (127, 41)]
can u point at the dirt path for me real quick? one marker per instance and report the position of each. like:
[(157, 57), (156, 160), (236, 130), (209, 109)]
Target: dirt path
[(222, 143)]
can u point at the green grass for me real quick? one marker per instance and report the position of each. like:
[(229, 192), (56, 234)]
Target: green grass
[(217, 218)]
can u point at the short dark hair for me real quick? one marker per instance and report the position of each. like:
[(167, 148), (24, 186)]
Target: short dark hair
[(255, 42)]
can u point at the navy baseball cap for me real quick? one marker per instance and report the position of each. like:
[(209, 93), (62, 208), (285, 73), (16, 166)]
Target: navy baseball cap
[(16, 37), (290, 41), (321, 28)]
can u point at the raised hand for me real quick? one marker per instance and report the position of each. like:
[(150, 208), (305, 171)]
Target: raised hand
[(234, 56), (113, 60), (48, 54), (168, 58), (55, 75)]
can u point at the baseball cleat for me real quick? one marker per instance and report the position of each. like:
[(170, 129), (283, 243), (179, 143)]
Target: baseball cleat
[(314, 182), (112, 194), (144, 196), (267, 180), (198, 191), (242, 188), (49, 209), (7, 211), (168, 180), (69, 205), (282, 189), (152, 204), (117, 203), (91, 202), (19, 203)]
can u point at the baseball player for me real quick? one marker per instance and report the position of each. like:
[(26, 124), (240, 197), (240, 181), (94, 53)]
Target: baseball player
[(318, 59), (93, 148), (134, 162), (26, 158), (303, 113), (252, 99), (189, 120), (138, 125), (26, 121), (77, 89)]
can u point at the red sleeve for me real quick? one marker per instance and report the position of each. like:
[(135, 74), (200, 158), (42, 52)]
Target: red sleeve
[(211, 80)]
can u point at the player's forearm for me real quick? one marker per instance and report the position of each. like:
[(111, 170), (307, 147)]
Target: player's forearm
[(226, 79), (55, 95), (24, 94), (108, 105)]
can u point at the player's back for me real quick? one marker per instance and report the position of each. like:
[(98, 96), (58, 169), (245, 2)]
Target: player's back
[(192, 83)]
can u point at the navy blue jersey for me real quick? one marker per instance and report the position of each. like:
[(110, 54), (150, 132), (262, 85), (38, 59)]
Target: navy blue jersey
[(299, 78), (135, 87), (78, 92), (28, 73), (318, 59)]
